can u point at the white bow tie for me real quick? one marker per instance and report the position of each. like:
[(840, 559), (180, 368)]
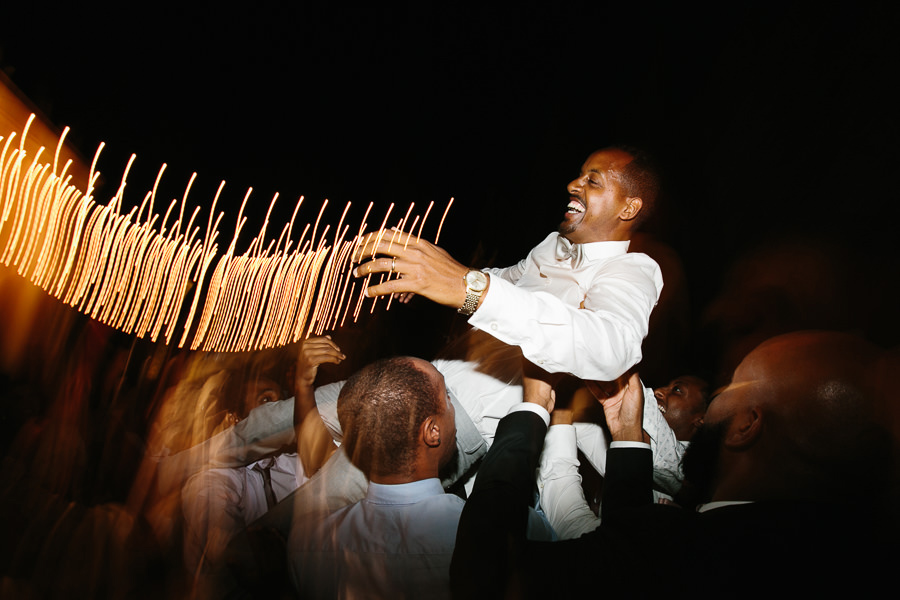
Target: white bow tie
[(566, 250)]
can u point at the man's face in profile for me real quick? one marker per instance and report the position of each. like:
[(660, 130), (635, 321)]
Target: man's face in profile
[(596, 198)]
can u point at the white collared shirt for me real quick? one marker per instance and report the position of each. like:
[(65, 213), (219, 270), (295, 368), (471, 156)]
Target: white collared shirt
[(536, 304)]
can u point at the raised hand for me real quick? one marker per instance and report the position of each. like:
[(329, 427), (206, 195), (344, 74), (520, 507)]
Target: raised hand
[(420, 267), (623, 408), (313, 352)]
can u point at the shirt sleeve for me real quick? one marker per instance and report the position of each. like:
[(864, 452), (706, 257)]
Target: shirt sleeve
[(667, 451), (600, 341), (510, 274), (267, 429), (559, 484)]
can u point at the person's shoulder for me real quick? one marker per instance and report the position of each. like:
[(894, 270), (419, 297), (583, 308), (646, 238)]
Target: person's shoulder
[(227, 483), (635, 259), (436, 519), (213, 476), (634, 267)]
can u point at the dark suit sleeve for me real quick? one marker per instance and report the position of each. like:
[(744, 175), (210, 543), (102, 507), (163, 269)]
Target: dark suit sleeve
[(491, 533), (628, 482)]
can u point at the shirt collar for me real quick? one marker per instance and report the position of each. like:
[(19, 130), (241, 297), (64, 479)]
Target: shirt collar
[(598, 250), (403, 493), (589, 252)]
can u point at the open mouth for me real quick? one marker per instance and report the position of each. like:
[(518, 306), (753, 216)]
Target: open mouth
[(662, 408), (575, 207)]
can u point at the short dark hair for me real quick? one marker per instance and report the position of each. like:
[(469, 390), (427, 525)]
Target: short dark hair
[(381, 409), (640, 178), (703, 388)]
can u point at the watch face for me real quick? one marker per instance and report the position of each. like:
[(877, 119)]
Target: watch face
[(476, 280)]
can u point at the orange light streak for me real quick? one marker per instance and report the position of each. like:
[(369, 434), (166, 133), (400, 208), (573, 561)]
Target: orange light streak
[(136, 271), (441, 226)]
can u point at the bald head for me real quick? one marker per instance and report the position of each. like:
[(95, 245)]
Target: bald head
[(798, 421)]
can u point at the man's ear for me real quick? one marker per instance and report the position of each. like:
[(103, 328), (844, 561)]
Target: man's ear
[(632, 208), (696, 423), (431, 432), (745, 428)]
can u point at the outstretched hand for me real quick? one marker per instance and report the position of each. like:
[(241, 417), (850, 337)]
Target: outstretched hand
[(420, 268), (623, 408)]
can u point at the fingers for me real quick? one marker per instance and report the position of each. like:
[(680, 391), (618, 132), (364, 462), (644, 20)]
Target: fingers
[(632, 391), (318, 350), (377, 265), (602, 390), (387, 241), (391, 286), (416, 266), (404, 297)]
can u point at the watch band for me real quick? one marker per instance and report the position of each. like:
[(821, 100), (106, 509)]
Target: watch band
[(471, 303), (476, 283)]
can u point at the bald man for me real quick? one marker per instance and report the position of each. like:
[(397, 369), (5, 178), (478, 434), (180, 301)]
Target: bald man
[(792, 465)]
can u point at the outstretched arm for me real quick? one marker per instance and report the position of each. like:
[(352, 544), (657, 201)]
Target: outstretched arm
[(417, 267), (597, 335)]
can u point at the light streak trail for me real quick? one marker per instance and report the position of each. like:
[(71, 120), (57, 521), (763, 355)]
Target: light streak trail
[(133, 271)]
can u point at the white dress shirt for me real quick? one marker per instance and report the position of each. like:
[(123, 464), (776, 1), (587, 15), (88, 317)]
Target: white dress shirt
[(536, 305)]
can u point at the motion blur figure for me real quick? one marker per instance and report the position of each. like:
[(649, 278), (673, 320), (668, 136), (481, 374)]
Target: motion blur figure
[(219, 503), (793, 465)]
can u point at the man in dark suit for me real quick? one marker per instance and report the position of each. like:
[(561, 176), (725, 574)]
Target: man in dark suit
[(791, 465)]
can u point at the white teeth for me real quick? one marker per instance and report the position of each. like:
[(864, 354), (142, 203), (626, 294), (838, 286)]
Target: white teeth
[(576, 206), (662, 408)]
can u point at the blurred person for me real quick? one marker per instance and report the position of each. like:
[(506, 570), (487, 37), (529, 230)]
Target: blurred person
[(793, 464), (672, 413), (218, 503), (66, 530), (338, 483)]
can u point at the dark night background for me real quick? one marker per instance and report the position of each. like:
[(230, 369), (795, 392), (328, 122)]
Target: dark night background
[(775, 125), (772, 123)]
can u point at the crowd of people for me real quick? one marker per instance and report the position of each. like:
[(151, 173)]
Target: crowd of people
[(462, 476), (533, 458)]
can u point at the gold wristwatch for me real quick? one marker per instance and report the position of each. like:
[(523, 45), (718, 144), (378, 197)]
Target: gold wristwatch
[(476, 283)]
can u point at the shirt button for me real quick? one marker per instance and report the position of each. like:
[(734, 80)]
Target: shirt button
[(494, 326)]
